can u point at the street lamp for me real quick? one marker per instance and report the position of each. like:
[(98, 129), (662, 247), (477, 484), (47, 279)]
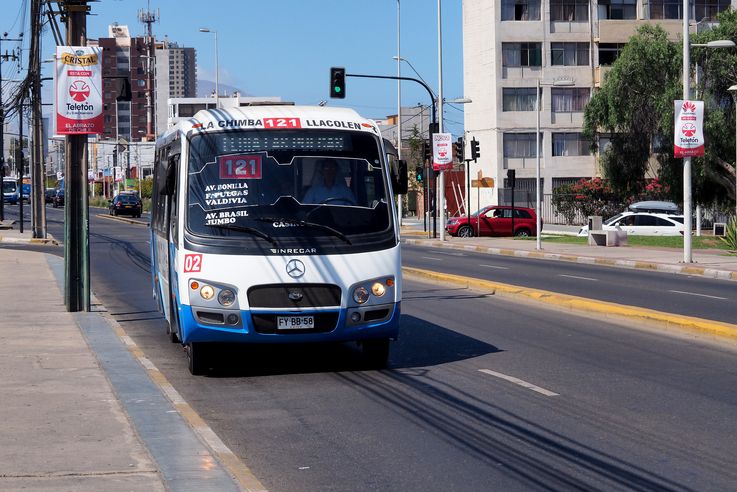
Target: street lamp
[(399, 106), (217, 68), (402, 59), (733, 90), (538, 212)]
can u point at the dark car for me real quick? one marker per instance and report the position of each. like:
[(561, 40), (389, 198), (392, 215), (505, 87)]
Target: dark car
[(127, 204), (49, 195), (495, 221), (59, 199)]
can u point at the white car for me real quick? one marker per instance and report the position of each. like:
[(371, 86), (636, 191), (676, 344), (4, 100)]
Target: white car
[(642, 224)]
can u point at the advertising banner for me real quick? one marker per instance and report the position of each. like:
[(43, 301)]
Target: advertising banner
[(688, 138), (442, 151), (78, 90)]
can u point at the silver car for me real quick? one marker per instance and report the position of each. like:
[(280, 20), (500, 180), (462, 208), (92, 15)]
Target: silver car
[(642, 224)]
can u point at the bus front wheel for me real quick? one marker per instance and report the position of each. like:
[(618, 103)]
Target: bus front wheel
[(376, 352), (198, 358)]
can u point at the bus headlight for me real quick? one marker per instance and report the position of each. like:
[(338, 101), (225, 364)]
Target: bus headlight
[(207, 292), (360, 295), (226, 297), (378, 289)]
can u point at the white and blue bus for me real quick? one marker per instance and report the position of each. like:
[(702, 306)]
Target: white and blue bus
[(275, 224)]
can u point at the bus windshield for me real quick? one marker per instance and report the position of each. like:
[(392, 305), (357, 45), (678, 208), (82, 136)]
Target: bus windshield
[(287, 185), (9, 187)]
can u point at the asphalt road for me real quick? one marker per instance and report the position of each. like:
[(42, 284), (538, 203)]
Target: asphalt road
[(697, 296), (482, 394)]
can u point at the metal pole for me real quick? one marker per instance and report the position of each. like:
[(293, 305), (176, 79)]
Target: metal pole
[(37, 173), (76, 220), (217, 73), (441, 191), (399, 108), (19, 164), (538, 246), (468, 196), (687, 258)]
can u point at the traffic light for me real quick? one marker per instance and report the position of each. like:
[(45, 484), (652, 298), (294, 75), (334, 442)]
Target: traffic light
[(427, 150), (419, 173), (511, 174), (475, 149), (459, 149), (337, 83)]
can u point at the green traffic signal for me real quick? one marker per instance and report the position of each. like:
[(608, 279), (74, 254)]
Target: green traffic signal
[(337, 82)]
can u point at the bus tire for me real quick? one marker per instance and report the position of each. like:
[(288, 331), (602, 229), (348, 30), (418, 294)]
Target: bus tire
[(198, 358), (376, 352)]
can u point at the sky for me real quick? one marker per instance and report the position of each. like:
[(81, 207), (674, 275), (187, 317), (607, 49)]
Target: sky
[(285, 48)]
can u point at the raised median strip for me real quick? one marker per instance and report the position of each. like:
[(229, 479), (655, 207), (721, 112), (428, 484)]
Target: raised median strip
[(122, 219), (580, 304), (590, 260), (29, 240)]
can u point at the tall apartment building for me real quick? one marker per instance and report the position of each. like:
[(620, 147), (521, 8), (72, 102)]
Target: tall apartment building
[(176, 77), (566, 45), (124, 56)]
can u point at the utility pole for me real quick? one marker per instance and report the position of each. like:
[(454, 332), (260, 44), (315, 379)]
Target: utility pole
[(147, 17), (3, 57), (76, 211), (37, 198)]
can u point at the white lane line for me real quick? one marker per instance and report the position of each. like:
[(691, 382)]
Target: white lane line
[(696, 294), (450, 254), (495, 266), (519, 382), (431, 258), (579, 278)]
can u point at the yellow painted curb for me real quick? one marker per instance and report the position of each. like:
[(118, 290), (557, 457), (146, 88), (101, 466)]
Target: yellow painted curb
[(575, 303)]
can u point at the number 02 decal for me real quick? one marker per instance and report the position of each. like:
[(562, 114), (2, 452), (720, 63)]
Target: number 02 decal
[(192, 263)]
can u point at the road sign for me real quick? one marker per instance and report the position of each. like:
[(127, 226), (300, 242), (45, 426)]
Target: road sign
[(483, 183)]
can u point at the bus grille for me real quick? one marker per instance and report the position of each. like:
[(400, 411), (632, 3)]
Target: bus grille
[(294, 296)]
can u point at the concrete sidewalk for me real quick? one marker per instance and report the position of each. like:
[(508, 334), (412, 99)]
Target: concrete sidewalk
[(708, 263), (79, 410)]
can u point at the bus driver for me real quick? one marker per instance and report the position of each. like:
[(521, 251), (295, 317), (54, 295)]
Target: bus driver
[(329, 188)]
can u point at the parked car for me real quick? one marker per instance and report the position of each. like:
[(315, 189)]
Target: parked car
[(10, 191), (49, 195), (126, 203), (642, 224), (495, 220), (655, 206), (59, 198), (27, 192)]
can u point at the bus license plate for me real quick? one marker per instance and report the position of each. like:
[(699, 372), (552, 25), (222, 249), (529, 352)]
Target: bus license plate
[(295, 322)]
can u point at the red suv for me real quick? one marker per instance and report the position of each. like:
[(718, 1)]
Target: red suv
[(494, 221)]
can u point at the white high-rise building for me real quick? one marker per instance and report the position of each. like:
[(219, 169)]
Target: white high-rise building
[(567, 45)]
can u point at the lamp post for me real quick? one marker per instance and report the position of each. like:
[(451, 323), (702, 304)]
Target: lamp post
[(733, 90), (217, 67), (441, 184), (399, 106), (538, 212)]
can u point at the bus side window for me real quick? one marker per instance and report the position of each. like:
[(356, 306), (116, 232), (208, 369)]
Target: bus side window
[(172, 177)]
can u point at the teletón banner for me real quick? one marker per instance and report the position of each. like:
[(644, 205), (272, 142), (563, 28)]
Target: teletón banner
[(688, 138), (78, 90), (442, 151)]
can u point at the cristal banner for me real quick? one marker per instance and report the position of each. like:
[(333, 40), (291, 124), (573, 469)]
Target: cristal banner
[(78, 90)]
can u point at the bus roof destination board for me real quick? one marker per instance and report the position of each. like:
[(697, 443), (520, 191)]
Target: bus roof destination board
[(78, 90), (688, 138)]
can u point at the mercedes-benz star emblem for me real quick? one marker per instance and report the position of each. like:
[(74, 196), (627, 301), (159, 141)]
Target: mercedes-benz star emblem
[(295, 296), (295, 268)]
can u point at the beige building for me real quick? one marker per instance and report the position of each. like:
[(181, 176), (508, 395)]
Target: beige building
[(566, 45)]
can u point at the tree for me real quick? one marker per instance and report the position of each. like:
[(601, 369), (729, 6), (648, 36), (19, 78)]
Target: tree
[(634, 106)]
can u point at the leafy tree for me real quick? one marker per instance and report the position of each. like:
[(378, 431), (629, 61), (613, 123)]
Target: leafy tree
[(634, 105)]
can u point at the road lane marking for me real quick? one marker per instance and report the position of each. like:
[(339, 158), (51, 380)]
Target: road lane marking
[(579, 278), (696, 294), (449, 254), (519, 382), (431, 258), (495, 266)]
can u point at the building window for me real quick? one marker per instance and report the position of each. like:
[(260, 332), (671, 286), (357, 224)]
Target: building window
[(569, 10), (618, 9), (570, 144), (569, 54), (569, 100), (520, 10), (664, 9), (518, 99), (708, 9), (522, 54), (517, 145), (608, 52)]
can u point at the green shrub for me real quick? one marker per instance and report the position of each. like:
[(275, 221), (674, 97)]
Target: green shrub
[(730, 234)]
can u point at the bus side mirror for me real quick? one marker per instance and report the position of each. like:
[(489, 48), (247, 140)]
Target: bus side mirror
[(400, 178)]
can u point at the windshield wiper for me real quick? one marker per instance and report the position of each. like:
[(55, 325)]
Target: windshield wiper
[(252, 230), (324, 227)]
